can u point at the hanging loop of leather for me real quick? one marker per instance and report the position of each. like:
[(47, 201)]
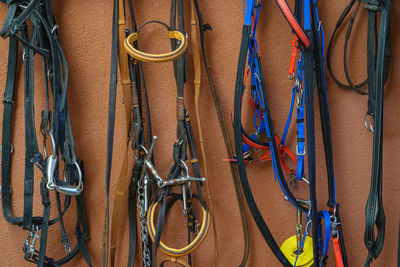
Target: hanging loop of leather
[(156, 58)]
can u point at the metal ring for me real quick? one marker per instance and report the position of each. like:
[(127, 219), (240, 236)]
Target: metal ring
[(11, 148)]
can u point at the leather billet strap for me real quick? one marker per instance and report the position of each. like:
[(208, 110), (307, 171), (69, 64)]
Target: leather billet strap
[(195, 42), (41, 38), (225, 134), (118, 55), (155, 58)]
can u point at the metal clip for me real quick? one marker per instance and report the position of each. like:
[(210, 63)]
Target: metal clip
[(54, 28), (334, 223), (292, 180), (29, 243), (24, 56), (299, 228), (299, 95), (301, 201)]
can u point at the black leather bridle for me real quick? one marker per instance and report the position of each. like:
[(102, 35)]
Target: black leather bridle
[(378, 66), (41, 38)]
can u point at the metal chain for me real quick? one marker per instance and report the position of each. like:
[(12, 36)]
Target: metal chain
[(143, 224)]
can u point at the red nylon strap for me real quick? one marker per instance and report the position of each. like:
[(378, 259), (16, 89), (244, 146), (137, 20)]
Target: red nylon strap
[(293, 22), (295, 43), (338, 252)]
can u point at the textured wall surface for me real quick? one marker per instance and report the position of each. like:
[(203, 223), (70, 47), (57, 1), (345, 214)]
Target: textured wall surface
[(85, 30)]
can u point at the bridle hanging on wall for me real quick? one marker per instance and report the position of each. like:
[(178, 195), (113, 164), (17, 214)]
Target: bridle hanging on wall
[(378, 66), (146, 183), (309, 42), (41, 38)]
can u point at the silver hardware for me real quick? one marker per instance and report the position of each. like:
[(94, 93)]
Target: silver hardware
[(54, 28), (292, 181), (300, 153), (142, 198), (51, 165), (183, 179), (369, 126), (299, 228), (70, 189), (11, 148), (9, 190), (29, 243), (301, 201)]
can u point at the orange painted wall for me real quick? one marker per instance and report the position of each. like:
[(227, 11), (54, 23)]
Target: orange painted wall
[(85, 30)]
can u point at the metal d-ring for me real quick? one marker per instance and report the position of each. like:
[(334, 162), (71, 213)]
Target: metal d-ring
[(369, 125)]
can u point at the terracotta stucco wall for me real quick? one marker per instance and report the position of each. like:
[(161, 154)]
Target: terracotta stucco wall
[(85, 29)]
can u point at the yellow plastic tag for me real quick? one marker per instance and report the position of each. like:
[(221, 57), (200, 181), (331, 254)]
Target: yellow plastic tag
[(289, 249)]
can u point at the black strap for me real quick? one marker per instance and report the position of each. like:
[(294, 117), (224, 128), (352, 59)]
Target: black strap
[(374, 213)]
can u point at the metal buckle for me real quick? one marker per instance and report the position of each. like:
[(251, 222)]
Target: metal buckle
[(298, 153), (8, 101)]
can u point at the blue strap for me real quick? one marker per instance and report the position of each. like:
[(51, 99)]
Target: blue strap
[(248, 9), (301, 148), (289, 119), (324, 242), (307, 15)]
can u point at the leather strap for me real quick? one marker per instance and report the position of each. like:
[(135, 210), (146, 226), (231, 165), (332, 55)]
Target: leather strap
[(225, 134), (374, 213), (174, 260)]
